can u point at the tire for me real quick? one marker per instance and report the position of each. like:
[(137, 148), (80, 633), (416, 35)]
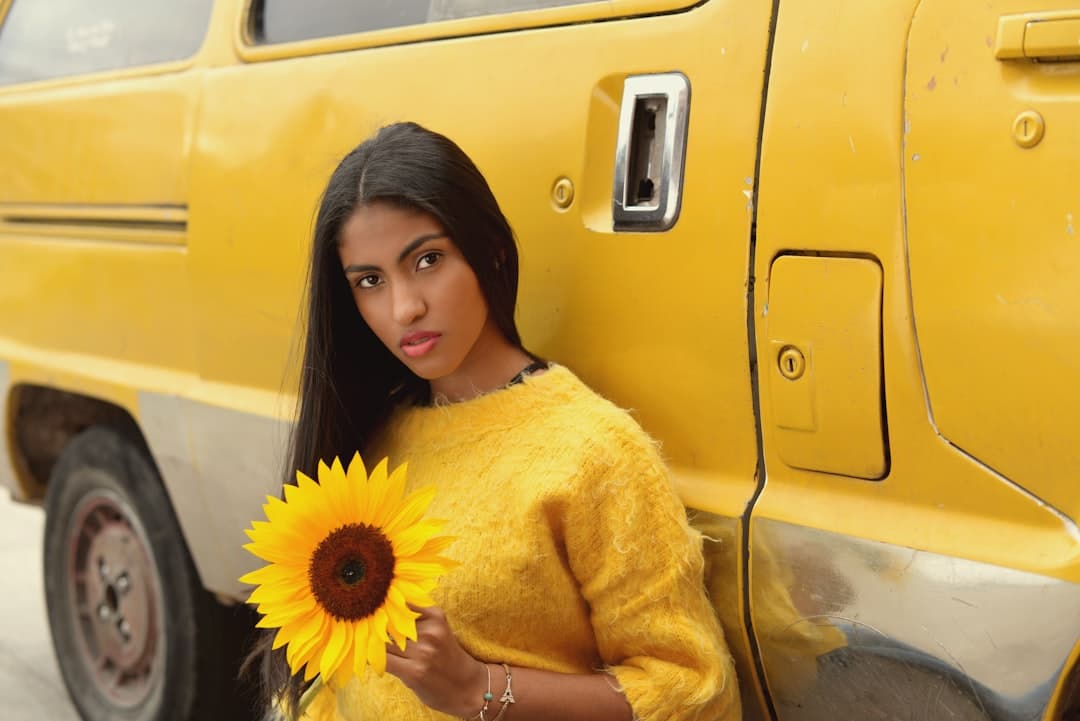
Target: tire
[(136, 636)]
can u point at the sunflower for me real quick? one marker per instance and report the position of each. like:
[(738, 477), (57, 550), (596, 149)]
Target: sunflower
[(347, 556)]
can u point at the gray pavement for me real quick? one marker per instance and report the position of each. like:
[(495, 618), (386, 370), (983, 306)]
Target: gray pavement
[(30, 684)]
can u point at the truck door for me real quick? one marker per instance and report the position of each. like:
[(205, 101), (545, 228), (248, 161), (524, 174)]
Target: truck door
[(913, 553)]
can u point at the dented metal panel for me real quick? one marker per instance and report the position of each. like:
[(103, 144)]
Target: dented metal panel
[(856, 629)]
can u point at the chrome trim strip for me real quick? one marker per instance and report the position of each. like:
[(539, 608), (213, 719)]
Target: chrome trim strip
[(850, 628), (218, 466), (7, 468), (675, 89)]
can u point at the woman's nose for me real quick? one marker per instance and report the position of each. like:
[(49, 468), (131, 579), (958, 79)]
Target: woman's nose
[(408, 305)]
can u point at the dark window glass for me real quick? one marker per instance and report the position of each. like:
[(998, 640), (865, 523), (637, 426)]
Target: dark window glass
[(43, 39), (281, 21)]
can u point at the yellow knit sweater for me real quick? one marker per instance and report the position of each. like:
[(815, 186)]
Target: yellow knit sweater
[(575, 552)]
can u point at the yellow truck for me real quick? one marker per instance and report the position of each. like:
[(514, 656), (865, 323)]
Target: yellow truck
[(828, 250)]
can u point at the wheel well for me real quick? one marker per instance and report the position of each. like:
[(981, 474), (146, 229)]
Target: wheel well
[(45, 419)]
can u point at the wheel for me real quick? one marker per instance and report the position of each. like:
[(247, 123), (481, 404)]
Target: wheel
[(136, 636)]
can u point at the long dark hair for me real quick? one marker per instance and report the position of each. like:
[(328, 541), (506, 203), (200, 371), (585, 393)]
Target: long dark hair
[(350, 382)]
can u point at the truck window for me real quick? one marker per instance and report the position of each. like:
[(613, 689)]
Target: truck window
[(43, 40), (282, 21)]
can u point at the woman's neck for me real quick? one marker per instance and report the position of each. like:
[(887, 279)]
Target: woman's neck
[(490, 365)]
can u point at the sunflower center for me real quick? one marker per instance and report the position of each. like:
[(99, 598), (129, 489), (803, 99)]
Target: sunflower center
[(351, 570)]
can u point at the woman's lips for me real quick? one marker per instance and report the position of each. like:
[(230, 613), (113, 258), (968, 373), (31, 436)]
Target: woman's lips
[(415, 345)]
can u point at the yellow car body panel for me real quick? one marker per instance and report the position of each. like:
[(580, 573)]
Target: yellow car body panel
[(856, 342)]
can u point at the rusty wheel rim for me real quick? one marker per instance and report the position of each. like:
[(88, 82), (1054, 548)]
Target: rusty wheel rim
[(115, 598)]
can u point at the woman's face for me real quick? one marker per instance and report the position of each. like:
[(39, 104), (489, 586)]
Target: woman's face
[(413, 288)]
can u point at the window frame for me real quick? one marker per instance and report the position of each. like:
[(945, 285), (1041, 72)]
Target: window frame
[(597, 11)]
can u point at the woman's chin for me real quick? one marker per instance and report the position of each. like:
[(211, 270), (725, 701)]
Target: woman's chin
[(427, 369)]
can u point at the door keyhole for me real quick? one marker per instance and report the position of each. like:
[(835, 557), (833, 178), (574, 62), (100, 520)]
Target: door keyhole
[(1028, 129), (792, 363)]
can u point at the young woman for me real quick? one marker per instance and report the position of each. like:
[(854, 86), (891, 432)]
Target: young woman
[(580, 584)]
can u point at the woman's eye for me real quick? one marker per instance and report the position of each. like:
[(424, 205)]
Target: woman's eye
[(367, 281), (427, 260)]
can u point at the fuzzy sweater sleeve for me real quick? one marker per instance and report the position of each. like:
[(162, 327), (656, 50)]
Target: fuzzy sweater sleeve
[(639, 565)]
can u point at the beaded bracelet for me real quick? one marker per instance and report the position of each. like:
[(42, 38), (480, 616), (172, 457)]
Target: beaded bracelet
[(487, 698), (508, 695)]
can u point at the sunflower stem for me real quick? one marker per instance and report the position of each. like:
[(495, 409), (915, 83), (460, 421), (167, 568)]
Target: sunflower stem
[(309, 696)]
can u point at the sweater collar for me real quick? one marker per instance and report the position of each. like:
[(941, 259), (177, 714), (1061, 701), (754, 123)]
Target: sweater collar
[(504, 408)]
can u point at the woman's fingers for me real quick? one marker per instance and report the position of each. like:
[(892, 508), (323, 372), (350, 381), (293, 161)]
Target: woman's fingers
[(427, 612), (393, 650), (396, 665)]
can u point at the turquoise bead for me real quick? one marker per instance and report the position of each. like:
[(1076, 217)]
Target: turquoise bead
[(488, 696)]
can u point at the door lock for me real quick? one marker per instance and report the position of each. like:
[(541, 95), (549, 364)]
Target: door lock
[(792, 362)]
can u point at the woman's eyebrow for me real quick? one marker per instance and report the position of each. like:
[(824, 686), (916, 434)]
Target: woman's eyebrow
[(413, 245), (416, 243)]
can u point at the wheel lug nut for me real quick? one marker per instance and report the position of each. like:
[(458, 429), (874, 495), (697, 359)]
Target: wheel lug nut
[(123, 583), (103, 611), (125, 629)]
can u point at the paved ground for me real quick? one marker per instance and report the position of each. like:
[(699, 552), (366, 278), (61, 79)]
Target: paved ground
[(30, 685)]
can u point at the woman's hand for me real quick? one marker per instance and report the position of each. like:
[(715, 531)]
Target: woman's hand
[(437, 669)]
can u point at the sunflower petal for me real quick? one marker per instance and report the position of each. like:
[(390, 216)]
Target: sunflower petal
[(416, 593), (276, 553), (346, 493), (306, 507), (377, 642), (438, 545), (275, 508), (377, 487), (305, 484), (356, 476), (392, 497), (411, 510), (311, 670), (286, 633), (335, 490), (275, 575), (269, 602), (398, 637), (288, 524), (306, 638), (290, 528), (343, 674), (447, 563), (334, 650), (412, 539), (401, 620), (282, 615), (418, 571), (360, 646), (290, 609)]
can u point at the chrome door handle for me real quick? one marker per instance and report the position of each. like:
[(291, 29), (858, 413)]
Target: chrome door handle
[(650, 151), (1045, 36)]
